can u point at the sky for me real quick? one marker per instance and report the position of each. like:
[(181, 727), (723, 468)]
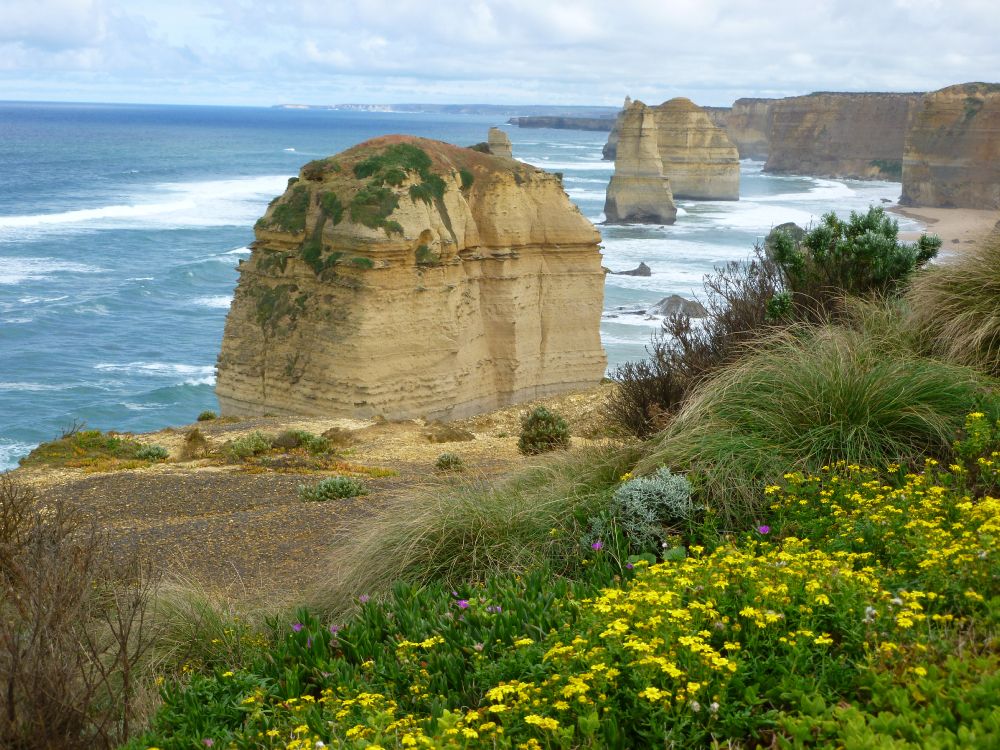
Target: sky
[(487, 51)]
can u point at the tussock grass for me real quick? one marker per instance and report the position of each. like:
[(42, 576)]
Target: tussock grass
[(476, 528), (809, 396), (956, 304)]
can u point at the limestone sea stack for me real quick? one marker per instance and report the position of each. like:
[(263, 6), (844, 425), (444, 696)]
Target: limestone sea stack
[(638, 192), (610, 149), (698, 158), (840, 135), (499, 143), (406, 277), (952, 154)]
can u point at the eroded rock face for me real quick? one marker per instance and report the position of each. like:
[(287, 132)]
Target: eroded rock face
[(698, 158), (639, 192), (610, 149), (748, 126), (499, 143), (952, 156), (840, 135), (410, 278)]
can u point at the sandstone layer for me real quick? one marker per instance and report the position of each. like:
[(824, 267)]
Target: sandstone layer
[(639, 192), (499, 143), (748, 126), (411, 278), (697, 156), (840, 135), (610, 149), (952, 154)]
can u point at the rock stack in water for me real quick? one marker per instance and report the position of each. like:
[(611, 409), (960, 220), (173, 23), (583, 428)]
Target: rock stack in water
[(952, 153), (499, 143), (639, 192), (406, 277), (698, 158)]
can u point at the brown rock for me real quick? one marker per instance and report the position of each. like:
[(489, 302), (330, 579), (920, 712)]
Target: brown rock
[(441, 288), (641, 270), (499, 143), (698, 158), (748, 126), (840, 135), (610, 149), (639, 192), (952, 157), (678, 304), (438, 432)]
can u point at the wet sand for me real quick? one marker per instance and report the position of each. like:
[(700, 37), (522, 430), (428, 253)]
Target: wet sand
[(958, 228)]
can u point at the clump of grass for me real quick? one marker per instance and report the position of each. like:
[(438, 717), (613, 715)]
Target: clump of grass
[(292, 439), (207, 416), (541, 431), (955, 305), (332, 488), (252, 444), (290, 213), (477, 529), (195, 445), (808, 397), (88, 448), (449, 462), (152, 453)]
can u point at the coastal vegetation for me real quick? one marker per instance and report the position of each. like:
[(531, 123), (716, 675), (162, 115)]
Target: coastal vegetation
[(798, 548)]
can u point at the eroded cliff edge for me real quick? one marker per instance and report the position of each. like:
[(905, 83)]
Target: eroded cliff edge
[(406, 277), (952, 156)]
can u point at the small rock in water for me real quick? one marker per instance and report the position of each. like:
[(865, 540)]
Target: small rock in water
[(641, 270), (675, 303)]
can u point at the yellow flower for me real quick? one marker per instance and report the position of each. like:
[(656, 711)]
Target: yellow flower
[(542, 722)]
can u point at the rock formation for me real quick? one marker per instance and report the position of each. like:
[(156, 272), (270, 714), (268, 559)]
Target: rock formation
[(698, 158), (952, 155), (640, 270), (406, 277), (610, 149), (748, 126), (678, 304), (600, 124), (639, 192), (840, 135), (499, 143)]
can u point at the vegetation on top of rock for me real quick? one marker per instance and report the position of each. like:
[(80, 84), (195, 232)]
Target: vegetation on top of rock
[(290, 213), (207, 416), (399, 156), (332, 207), (467, 178), (372, 206), (94, 450)]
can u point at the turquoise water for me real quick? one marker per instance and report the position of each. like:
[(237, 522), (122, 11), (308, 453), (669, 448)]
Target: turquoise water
[(121, 227)]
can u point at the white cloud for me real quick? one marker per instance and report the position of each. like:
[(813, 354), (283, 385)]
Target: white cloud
[(584, 51)]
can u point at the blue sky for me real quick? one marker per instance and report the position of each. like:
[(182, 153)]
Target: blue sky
[(502, 51)]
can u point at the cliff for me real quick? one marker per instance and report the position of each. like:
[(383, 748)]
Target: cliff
[(407, 277), (698, 158), (499, 143), (840, 135), (610, 149), (952, 152), (638, 191), (600, 124), (748, 126)]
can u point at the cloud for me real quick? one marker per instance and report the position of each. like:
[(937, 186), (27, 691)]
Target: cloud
[(583, 51)]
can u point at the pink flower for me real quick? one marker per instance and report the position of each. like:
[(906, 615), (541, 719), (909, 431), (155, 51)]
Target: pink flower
[(296, 626), (364, 598), (598, 545), (764, 529), (462, 603)]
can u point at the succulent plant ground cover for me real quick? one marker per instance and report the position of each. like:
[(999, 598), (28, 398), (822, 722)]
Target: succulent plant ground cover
[(860, 610)]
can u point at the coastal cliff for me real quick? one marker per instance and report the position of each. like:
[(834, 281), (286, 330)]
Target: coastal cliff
[(600, 124), (406, 277), (952, 153), (840, 135), (639, 192), (697, 156), (748, 126)]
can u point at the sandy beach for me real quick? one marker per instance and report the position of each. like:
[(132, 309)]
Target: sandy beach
[(957, 227)]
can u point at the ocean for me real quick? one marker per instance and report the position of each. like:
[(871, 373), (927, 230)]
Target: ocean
[(121, 227)]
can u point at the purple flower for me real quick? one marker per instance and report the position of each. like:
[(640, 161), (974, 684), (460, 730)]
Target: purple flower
[(764, 529), (496, 610), (462, 603), (364, 598), (334, 629), (208, 742), (598, 545), (629, 566), (296, 626), (309, 642)]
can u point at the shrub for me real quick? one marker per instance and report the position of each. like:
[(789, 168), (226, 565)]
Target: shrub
[(252, 444), (476, 529), (332, 488), (860, 257), (292, 439), (449, 462), (195, 445), (644, 506), (808, 397), (207, 416), (152, 453), (290, 213), (73, 629), (372, 206), (467, 178), (542, 431), (81, 448), (955, 305)]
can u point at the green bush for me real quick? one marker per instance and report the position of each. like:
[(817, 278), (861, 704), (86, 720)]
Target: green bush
[(809, 397), (207, 416), (644, 508), (372, 206), (79, 448), (954, 305), (449, 462), (247, 446), (290, 213), (152, 453), (542, 431), (467, 178), (332, 488)]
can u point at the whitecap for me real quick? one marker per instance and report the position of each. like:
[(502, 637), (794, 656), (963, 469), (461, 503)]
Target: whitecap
[(569, 166), (292, 150), (238, 251), (38, 300), (18, 270), (156, 368), (220, 302), (97, 309), (31, 387), (11, 451)]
